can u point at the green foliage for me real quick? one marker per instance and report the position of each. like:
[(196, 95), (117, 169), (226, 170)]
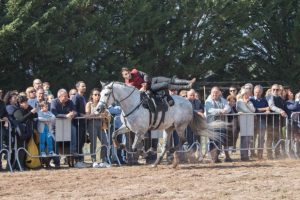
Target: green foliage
[(63, 41)]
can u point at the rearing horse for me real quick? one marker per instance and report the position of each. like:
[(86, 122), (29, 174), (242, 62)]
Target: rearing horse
[(136, 118)]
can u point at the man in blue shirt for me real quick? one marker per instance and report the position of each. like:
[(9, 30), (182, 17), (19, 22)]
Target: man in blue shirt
[(62, 107), (261, 106), (79, 103)]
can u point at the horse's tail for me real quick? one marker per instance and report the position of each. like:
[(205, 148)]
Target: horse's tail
[(214, 130)]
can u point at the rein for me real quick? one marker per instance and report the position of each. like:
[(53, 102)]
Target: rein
[(112, 92)]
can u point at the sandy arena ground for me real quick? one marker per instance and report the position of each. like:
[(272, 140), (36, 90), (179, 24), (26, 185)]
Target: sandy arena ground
[(238, 180)]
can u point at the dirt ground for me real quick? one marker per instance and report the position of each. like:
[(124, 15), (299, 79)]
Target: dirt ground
[(238, 180)]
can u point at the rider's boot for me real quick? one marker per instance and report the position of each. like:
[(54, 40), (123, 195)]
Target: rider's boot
[(178, 81), (170, 100), (179, 87)]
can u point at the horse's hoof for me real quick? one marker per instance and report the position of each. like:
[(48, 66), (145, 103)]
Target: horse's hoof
[(154, 165), (175, 160), (175, 164)]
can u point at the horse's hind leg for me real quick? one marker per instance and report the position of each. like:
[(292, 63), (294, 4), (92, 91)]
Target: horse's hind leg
[(182, 139), (166, 139)]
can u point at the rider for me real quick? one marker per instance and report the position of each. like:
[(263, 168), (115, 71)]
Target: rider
[(142, 81)]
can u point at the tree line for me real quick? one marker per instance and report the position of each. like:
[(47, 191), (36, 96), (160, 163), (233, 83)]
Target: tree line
[(62, 41)]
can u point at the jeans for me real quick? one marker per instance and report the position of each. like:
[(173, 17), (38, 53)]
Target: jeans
[(175, 139), (46, 138), (245, 145), (73, 147), (191, 137), (120, 152), (80, 137), (259, 130), (94, 130)]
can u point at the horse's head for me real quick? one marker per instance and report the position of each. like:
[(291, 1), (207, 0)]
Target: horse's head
[(106, 97)]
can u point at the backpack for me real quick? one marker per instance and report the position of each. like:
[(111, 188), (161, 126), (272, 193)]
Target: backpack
[(32, 162)]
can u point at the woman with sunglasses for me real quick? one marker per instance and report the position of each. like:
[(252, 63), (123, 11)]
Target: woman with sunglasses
[(94, 128)]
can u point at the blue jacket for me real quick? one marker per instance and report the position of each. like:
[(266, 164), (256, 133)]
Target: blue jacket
[(60, 110), (291, 106), (116, 112)]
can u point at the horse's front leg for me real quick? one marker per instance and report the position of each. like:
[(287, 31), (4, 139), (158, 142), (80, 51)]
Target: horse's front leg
[(165, 145), (123, 129), (137, 143)]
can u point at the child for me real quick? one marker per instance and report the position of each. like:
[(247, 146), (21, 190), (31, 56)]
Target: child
[(46, 87), (50, 97), (45, 128)]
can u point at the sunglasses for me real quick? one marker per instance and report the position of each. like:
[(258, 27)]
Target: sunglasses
[(96, 94), (275, 89)]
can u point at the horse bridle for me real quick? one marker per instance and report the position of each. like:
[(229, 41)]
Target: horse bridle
[(113, 96)]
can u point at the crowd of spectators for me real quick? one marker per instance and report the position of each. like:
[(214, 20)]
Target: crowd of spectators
[(234, 106)]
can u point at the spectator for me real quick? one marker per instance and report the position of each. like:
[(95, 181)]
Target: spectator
[(10, 100), (233, 132), (94, 128), (173, 92), (72, 93), (22, 94), (215, 109), (276, 105), (115, 111), (244, 105), (37, 84), (233, 91), (268, 94), (46, 87), (261, 106), (50, 98), (45, 127), (39, 98), (249, 88), (199, 109), (282, 92), (64, 108), (31, 93), (24, 114), (80, 103), (197, 105), (183, 93), (197, 95), (4, 137), (291, 106)]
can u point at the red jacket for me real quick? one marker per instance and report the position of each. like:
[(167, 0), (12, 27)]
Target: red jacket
[(137, 78)]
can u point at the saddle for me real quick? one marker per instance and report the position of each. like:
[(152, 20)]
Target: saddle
[(155, 103)]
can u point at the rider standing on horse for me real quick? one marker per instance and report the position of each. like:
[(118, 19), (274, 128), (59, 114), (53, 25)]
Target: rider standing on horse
[(144, 82)]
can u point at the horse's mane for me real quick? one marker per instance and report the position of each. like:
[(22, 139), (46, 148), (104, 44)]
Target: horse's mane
[(120, 83)]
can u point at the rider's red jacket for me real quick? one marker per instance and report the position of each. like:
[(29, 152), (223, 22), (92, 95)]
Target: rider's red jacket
[(137, 78)]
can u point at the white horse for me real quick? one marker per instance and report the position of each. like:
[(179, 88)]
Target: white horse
[(136, 118)]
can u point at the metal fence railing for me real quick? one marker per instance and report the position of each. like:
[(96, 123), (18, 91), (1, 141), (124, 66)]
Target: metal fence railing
[(79, 139)]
